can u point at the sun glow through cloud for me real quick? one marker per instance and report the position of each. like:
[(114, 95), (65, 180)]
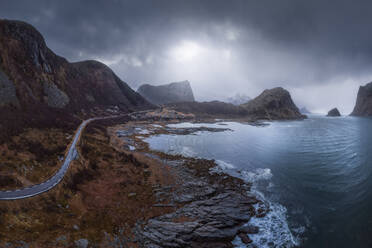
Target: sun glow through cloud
[(186, 51)]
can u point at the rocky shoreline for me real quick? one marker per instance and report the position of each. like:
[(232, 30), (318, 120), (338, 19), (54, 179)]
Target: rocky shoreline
[(210, 207)]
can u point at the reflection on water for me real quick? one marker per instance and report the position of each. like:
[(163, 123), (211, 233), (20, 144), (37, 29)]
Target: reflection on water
[(321, 171)]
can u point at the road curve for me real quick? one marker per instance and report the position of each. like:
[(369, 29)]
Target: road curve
[(54, 180)]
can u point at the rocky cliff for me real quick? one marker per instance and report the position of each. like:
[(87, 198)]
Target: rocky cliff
[(273, 104), (334, 112), (167, 93), (363, 106), (36, 83)]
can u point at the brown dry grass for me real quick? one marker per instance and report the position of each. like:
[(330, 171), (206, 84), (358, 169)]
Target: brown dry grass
[(106, 190), (31, 157)]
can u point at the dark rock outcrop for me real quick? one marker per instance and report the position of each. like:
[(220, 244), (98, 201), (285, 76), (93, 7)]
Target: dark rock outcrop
[(7, 91), (334, 112), (167, 93), (273, 104), (363, 106)]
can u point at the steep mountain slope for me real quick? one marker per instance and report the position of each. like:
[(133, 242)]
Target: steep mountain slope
[(36, 84), (273, 104), (167, 93), (363, 106)]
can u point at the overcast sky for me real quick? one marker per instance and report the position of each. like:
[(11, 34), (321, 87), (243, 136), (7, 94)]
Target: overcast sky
[(321, 51)]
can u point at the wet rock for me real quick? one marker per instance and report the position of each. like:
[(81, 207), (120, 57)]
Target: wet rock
[(245, 239), (249, 229), (82, 243), (132, 195), (62, 240), (216, 219)]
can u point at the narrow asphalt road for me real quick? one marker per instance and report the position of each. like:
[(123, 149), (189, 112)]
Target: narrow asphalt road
[(54, 180)]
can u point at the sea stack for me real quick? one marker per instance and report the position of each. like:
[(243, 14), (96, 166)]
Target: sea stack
[(363, 106), (167, 93), (334, 113), (273, 104)]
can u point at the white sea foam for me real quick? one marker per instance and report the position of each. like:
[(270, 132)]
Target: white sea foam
[(273, 227), (224, 165), (273, 230), (257, 175), (187, 152)]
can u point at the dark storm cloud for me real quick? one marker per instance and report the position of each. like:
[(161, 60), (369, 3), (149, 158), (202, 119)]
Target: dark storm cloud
[(319, 50)]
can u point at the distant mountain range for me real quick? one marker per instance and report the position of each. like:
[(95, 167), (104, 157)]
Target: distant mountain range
[(238, 99), (272, 104), (167, 93)]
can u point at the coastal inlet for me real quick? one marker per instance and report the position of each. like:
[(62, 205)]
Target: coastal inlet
[(315, 174)]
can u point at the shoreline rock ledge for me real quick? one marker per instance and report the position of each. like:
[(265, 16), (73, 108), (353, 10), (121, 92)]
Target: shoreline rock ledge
[(363, 106), (334, 113)]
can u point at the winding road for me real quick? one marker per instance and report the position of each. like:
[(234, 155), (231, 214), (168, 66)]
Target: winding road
[(54, 180)]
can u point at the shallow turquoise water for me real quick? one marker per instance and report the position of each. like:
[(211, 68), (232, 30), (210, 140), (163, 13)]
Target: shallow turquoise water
[(316, 174)]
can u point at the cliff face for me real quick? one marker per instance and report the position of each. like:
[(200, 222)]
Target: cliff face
[(363, 106), (40, 89), (273, 104), (167, 93), (334, 112), (32, 76)]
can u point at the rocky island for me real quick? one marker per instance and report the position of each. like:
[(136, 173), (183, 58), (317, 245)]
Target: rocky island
[(273, 104), (334, 113)]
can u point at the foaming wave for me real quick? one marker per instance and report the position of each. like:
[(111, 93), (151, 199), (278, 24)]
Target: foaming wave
[(273, 227), (257, 175), (224, 165), (187, 152)]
